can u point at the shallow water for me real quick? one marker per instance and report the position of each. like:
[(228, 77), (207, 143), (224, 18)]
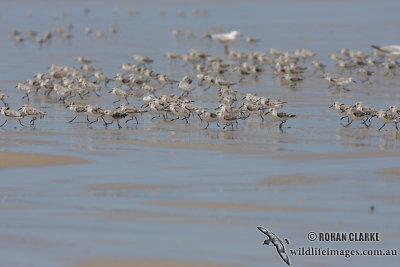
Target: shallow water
[(171, 191)]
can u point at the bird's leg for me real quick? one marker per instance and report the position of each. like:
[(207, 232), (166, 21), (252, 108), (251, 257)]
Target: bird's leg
[(73, 119), (136, 121), (348, 124), (207, 126), (226, 50), (20, 123), (280, 125), (382, 126), (3, 123), (95, 120)]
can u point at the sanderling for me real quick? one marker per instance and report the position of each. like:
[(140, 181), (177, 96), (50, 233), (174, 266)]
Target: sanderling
[(10, 114), (369, 112), (3, 97), (318, 66), (180, 111), (185, 86), (355, 114), (159, 107), (252, 108), (388, 118), (366, 74), (390, 66), (132, 112), (120, 94), (252, 41), (164, 80), (228, 116), (172, 57), (341, 109), (96, 112), (395, 110), (25, 89), (78, 110), (122, 80), (280, 116), (142, 60), (84, 61), (114, 115), (208, 116), (31, 112), (241, 73), (225, 39), (103, 78), (147, 99)]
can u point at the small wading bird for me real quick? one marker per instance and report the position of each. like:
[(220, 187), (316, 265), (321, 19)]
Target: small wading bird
[(273, 240)]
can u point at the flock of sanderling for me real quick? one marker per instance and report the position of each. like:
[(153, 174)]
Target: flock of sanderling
[(70, 85)]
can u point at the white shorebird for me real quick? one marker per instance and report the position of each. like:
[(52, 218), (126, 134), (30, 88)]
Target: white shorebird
[(179, 110), (132, 112), (341, 109), (31, 112), (3, 97), (25, 89), (225, 39), (164, 80), (395, 110), (207, 116), (103, 78), (280, 116), (10, 114), (120, 94), (355, 115), (114, 115), (96, 112), (78, 110), (388, 118)]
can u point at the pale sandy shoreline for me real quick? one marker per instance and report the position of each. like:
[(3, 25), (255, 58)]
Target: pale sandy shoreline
[(29, 160)]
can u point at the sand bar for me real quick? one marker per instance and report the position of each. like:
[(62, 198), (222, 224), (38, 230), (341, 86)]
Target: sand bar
[(29, 160)]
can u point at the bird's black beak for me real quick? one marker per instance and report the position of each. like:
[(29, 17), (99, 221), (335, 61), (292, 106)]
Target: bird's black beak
[(331, 106)]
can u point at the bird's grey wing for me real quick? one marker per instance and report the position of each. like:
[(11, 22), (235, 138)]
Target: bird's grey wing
[(220, 37), (264, 231), (284, 257)]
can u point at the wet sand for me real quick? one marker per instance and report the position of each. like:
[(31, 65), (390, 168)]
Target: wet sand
[(27, 160)]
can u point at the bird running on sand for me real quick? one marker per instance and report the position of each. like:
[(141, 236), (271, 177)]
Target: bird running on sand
[(280, 116), (225, 39), (10, 114)]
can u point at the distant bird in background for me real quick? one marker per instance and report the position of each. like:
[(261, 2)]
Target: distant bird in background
[(225, 39), (391, 51)]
